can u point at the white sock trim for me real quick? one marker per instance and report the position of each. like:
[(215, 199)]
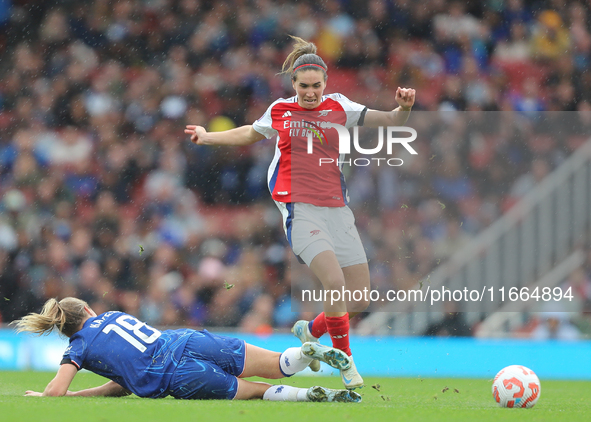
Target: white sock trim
[(292, 361)]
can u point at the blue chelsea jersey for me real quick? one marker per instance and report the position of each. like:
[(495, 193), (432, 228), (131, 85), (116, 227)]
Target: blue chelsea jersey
[(134, 355)]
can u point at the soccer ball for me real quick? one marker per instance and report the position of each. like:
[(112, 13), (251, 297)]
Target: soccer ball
[(516, 386)]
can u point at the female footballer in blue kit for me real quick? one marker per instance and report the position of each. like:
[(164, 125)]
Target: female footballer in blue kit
[(184, 363), (318, 224)]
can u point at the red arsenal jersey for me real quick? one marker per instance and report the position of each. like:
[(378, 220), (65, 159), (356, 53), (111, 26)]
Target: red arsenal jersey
[(307, 164)]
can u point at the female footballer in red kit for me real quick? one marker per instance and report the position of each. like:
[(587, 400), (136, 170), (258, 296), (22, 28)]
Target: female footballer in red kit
[(312, 198)]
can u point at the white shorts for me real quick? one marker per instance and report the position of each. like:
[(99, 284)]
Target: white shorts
[(311, 230)]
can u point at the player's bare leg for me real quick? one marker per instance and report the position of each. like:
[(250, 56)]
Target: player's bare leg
[(357, 278), (326, 267), (264, 363), (251, 389), (328, 270)]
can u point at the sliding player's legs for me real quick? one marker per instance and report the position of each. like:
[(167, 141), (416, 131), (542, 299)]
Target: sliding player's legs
[(240, 359), (316, 394), (260, 390), (212, 366), (203, 380), (251, 389), (265, 363), (272, 365)]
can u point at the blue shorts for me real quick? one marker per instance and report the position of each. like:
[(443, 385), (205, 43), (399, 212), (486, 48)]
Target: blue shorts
[(209, 367)]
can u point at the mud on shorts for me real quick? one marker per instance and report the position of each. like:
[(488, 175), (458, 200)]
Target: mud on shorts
[(311, 229)]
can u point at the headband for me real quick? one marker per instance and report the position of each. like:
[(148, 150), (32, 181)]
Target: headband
[(309, 64)]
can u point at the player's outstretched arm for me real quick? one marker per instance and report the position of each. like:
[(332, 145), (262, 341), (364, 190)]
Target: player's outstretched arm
[(405, 97), (58, 386), (110, 389), (243, 135)]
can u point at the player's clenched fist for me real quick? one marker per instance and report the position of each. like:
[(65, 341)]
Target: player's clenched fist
[(405, 97), (197, 134)]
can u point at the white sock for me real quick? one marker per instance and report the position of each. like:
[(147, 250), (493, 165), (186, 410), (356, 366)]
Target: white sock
[(293, 360), (286, 393)]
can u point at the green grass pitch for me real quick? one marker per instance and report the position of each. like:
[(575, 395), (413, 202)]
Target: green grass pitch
[(398, 399)]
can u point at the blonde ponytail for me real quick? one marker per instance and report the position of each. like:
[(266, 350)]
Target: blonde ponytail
[(303, 54), (66, 315)]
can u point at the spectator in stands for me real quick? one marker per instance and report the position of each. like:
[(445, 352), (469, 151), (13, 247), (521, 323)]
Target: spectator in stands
[(555, 326), (452, 324), (550, 40)]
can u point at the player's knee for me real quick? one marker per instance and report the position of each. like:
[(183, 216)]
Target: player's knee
[(334, 282), (356, 306)]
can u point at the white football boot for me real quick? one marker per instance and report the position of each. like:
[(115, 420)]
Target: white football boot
[(351, 377), (329, 355), (302, 331)]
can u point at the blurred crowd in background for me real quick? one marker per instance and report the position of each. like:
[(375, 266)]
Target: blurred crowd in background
[(103, 197)]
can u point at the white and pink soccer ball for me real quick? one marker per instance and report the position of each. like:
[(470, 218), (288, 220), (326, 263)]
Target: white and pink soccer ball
[(516, 386)]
